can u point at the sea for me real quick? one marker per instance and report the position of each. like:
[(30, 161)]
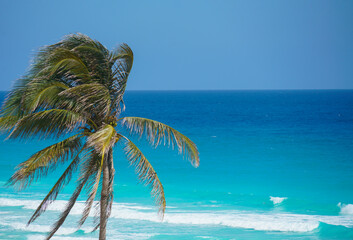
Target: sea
[(273, 165)]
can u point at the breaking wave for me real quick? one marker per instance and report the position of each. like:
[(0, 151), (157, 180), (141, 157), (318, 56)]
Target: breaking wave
[(264, 221), (277, 200), (346, 209)]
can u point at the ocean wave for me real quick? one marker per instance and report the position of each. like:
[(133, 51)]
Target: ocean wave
[(42, 237), (264, 221), (59, 205), (36, 227), (332, 232), (277, 200), (125, 236), (346, 209), (211, 206)]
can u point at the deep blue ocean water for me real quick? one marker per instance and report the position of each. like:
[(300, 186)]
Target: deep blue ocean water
[(274, 165)]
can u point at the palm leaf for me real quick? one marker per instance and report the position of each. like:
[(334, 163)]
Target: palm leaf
[(124, 55), (44, 95), (103, 140), (68, 208), (96, 57), (13, 104), (93, 191), (65, 61), (54, 122), (75, 41), (157, 133), (121, 62), (93, 97), (8, 122), (53, 193), (145, 172), (88, 168), (41, 162)]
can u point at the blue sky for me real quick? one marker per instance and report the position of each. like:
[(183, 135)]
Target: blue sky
[(188, 45)]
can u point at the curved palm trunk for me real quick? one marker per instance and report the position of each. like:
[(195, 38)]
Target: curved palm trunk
[(104, 200)]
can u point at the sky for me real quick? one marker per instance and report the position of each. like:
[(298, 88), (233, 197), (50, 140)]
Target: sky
[(195, 45)]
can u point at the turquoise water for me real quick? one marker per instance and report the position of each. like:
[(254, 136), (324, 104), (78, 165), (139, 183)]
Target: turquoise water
[(274, 165)]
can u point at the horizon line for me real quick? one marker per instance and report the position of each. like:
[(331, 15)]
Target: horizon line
[(208, 90)]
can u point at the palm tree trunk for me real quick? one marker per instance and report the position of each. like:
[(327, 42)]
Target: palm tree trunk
[(104, 201)]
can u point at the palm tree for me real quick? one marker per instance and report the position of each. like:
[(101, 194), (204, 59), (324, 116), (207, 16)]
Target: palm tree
[(75, 88)]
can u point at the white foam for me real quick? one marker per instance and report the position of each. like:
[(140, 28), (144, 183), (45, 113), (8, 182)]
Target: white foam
[(59, 205), (211, 206), (346, 209), (134, 206), (277, 200), (125, 236), (239, 219), (36, 228), (170, 207), (264, 221), (42, 237)]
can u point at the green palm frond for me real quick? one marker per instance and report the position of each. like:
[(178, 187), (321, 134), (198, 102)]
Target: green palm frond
[(13, 104), (71, 41), (103, 139), (62, 181), (68, 208), (96, 217), (125, 56), (87, 169), (97, 58), (121, 61), (53, 122), (41, 162), (145, 172), (92, 51), (93, 97), (90, 200), (158, 133), (74, 41), (8, 122), (64, 61), (93, 187), (44, 95), (13, 107), (76, 51)]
